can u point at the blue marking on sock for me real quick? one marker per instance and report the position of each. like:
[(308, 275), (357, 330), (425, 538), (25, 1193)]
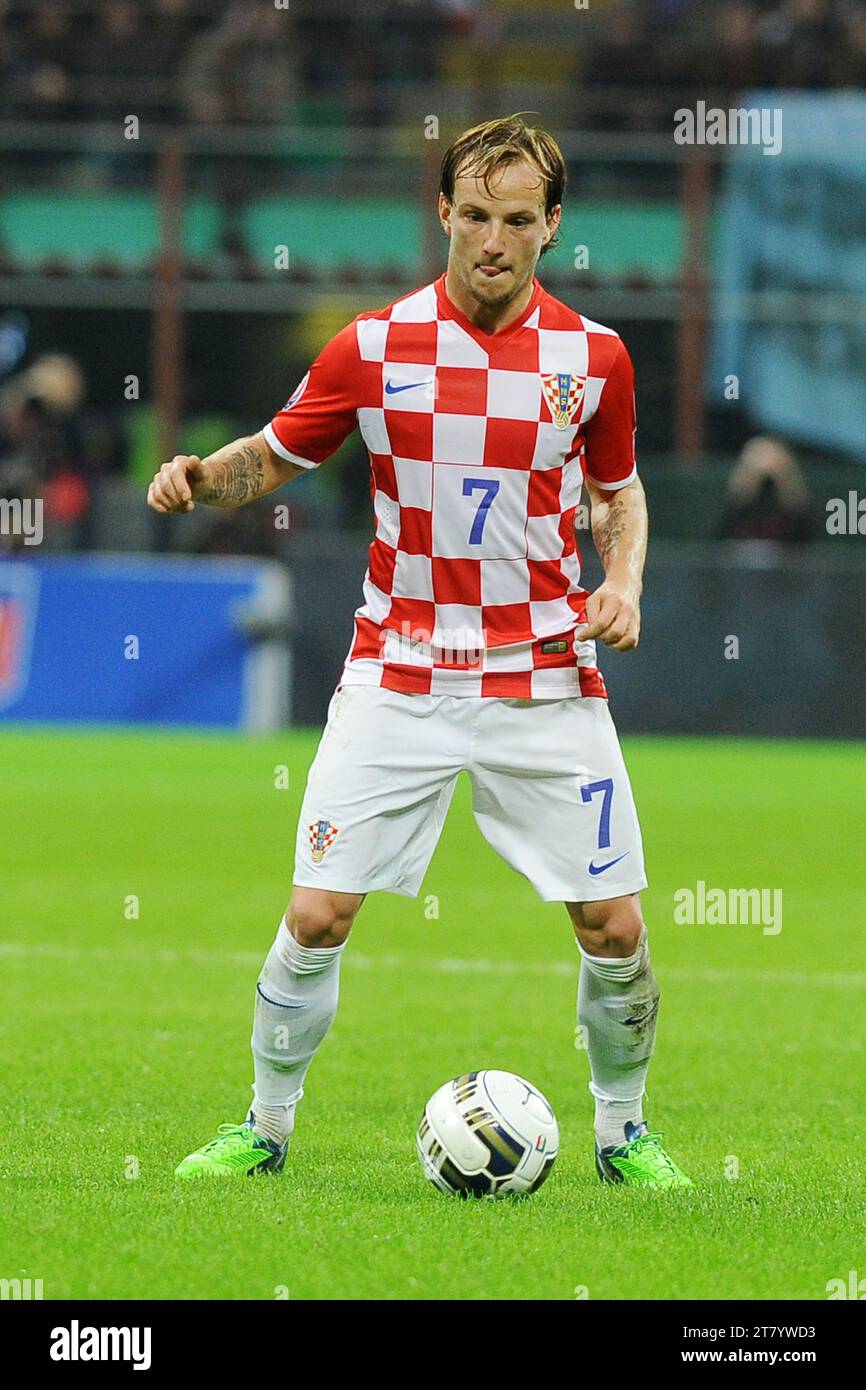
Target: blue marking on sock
[(277, 1003)]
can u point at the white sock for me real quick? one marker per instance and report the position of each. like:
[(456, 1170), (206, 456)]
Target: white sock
[(611, 1118), (617, 1004), (274, 1122), (296, 1001)]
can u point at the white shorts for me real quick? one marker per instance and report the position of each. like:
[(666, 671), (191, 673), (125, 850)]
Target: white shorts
[(550, 792)]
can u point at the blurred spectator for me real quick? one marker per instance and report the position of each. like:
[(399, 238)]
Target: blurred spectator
[(244, 69), (621, 54), (115, 64), (463, 14), (52, 445), (405, 46), (733, 54), (247, 61), (848, 61), (40, 448), (801, 37), (767, 496), (37, 82)]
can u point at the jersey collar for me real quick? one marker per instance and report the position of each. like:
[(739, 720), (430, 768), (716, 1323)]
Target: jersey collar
[(488, 341)]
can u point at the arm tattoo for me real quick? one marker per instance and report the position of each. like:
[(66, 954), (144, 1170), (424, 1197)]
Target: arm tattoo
[(609, 532), (238, 480)]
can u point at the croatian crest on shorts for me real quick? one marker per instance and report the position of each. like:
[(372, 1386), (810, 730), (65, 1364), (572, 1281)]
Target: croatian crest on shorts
[(322, 836), (563, 393)]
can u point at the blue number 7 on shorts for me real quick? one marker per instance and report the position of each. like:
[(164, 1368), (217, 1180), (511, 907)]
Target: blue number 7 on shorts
[(587, 793)]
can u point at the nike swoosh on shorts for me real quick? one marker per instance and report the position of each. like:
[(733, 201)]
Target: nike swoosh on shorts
[(595, 869)]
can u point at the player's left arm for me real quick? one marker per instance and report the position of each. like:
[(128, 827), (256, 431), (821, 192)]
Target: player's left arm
[(619, 513), (619, 530)]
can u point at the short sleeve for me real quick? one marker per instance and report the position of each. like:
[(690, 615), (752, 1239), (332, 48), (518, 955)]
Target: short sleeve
[(610, 434), (322, 410)]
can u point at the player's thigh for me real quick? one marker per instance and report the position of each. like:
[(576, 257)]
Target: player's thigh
[(378, 790), (552, 795)]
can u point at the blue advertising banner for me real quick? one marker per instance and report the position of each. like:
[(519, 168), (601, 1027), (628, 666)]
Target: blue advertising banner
[(143, 639), (791, 222)]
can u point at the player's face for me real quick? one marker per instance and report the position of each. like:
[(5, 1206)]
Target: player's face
[(497, 235)]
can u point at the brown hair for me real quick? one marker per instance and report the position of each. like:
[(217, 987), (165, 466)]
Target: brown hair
[(495, 144)]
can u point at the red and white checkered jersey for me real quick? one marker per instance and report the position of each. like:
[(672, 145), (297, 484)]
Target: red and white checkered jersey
[(478, 447)]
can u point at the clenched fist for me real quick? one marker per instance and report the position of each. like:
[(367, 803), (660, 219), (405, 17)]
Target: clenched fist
[(172, 487), (613, 614)]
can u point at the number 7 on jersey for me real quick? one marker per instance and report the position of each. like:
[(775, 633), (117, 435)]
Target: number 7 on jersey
[(489, 487)]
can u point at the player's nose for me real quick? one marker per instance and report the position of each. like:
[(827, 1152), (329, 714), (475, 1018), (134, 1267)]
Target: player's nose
[(494, 244)]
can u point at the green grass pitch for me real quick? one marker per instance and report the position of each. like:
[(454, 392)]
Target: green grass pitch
[(125, 1041)]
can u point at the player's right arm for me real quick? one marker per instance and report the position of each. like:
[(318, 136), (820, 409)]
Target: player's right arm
[(234, 475), (317, 417)]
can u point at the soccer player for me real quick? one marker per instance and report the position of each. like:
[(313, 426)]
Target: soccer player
[(487, 407)]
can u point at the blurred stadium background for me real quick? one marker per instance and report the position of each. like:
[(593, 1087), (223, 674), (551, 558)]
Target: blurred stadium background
[(196, 195)]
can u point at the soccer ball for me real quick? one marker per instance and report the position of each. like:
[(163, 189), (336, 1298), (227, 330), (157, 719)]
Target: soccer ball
[(487, 1134)]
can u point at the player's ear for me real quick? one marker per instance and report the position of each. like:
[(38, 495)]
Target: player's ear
[(445, 210), (554, 218)]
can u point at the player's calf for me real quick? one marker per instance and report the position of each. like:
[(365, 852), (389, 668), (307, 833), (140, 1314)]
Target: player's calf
[(296, 1002), (618, 1000)]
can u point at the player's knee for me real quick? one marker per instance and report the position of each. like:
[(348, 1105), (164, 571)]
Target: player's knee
[(317, 918), (611, 928)]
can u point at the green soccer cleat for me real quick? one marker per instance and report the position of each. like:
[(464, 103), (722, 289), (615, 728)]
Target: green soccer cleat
[(237, 1152), (639, 1162)]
